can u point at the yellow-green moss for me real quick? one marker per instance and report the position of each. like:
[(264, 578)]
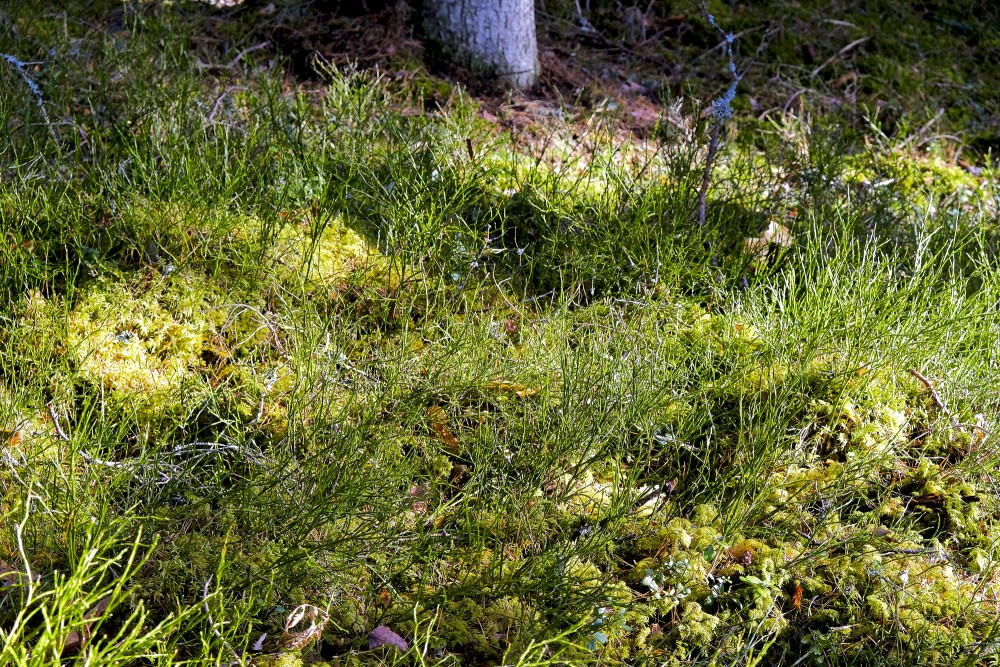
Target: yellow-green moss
[(696, 627), (337, 254), (141, 346)]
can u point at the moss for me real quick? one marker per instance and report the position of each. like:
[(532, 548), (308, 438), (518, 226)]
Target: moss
[(293, 659), (705, 515), (696, 627), (679, 532), (462, 624), (348, 617), (878, 609), (329, 260), (140, 346), (980, 561)]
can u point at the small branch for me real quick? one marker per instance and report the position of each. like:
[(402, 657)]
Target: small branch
[(197, 451), (55, 421), (706, 178), (260, 410), (239, 56), (218, 102), (21, 68), (86, 457), (722, 113), (983, 431), (937, 400), (837, 55)]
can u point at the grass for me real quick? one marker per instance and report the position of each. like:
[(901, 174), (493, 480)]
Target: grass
[(283, 362)]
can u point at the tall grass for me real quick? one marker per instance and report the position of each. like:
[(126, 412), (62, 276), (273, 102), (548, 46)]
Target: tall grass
[(265, 348)]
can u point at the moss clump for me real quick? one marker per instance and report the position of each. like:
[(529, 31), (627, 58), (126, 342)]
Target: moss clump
[(142, 346), (293, 659), (328, 259), (697, 627)]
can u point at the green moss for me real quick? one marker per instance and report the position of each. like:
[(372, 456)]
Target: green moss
[(705, 515), (142, 346), (286, 660), (696, 627), (329, 260), (878, 609)]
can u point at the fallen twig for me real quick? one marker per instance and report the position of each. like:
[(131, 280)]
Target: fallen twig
[(938, 400), (239, 56), (844, 50), (21, 68), (86, 457), (218, 102), (164, 471)]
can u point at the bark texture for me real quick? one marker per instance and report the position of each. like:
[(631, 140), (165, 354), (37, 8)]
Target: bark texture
[(498, 35)]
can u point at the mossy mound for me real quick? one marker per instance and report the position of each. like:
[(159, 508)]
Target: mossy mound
[(145, 345), (327, 255)]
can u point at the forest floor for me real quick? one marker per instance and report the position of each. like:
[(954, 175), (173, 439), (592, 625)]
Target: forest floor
[(314, 350)]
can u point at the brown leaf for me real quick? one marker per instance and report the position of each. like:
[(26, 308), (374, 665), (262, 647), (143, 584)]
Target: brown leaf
[(385, 598), (797, 597), (743, 552), (383, 635), (78, 639), (519, 390), (929, 500), (8, 575), (511, 326), (294, 638), (458, 473), (439, 426)]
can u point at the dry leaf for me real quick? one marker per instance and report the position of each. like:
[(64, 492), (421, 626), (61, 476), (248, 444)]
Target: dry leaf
[(458, 473), (743, 552), (776, 235), (8, 575), (385, 598), (77, 640), (519, 390), (439, 426), (511, 326), (383, 635), (294, 638)]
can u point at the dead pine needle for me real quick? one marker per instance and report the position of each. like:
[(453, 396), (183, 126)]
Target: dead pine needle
[(938, 401)]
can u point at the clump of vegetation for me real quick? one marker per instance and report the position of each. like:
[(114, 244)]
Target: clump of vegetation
[(300, 374)]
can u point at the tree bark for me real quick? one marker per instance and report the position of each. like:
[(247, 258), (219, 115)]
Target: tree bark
[(495, 35)]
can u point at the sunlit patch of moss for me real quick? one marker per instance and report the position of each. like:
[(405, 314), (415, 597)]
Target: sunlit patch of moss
[(331, 259), (588, 496), (929, 184), (294, 659), (696, 627), (142, 346), (255, 393)]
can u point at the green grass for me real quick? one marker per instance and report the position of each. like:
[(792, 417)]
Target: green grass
[(267, 344)]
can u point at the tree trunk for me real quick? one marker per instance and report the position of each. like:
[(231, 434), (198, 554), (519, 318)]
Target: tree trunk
[(495, 35)]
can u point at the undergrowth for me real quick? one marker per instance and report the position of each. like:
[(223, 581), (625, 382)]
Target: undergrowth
[(286, 371)]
